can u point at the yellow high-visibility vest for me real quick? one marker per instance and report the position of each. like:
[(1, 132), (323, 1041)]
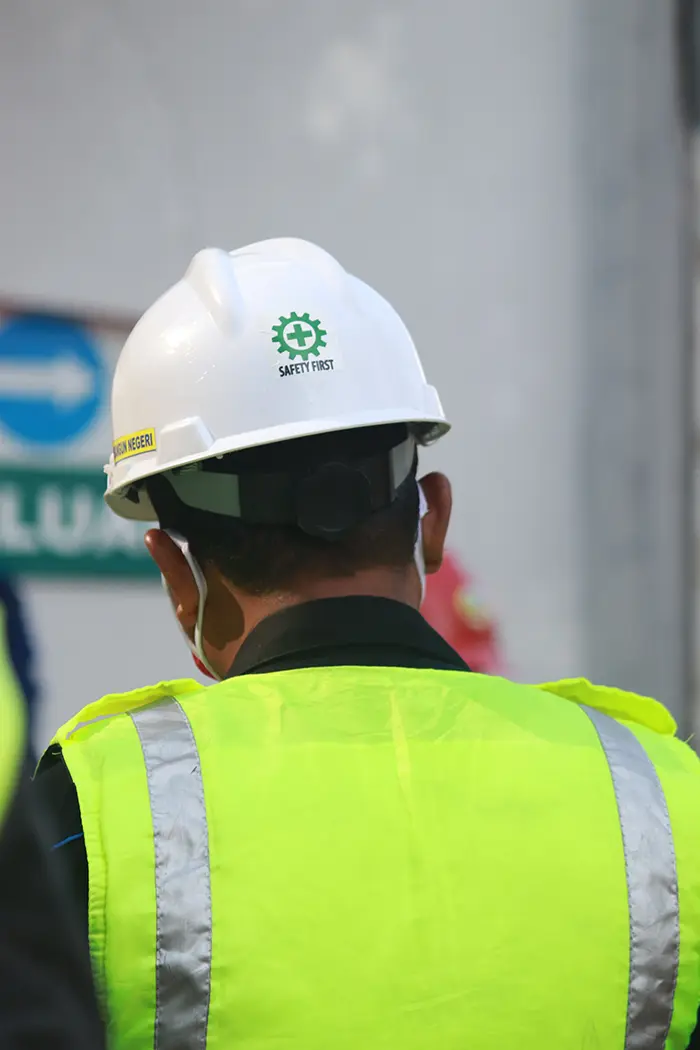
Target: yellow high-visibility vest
[(12, 721), (365, 858)]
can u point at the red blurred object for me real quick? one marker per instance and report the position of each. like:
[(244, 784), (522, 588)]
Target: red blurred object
[(451, 608), (201, 668)]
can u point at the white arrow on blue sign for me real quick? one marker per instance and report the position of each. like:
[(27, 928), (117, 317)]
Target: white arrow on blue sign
[(52, 379)]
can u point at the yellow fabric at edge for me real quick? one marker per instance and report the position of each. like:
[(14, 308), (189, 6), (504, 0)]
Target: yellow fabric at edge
[(12, 722)]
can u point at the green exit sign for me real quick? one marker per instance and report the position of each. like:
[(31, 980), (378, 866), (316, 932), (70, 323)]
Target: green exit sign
[(55, 523)]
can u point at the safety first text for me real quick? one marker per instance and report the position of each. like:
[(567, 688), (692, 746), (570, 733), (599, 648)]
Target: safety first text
[(301, 367)]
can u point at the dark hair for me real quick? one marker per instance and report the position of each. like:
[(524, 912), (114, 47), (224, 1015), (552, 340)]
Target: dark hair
[(266, 559)]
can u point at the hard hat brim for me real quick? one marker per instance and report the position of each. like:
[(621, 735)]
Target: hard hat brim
[(126, 498)]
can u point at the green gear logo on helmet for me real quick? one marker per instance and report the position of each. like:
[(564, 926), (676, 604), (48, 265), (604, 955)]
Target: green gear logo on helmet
[(298, 336)]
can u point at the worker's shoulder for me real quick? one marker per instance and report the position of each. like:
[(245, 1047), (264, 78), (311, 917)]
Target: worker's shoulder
[(559, 700), (565, 712), (546, 698), (620, 704), (108, 708)]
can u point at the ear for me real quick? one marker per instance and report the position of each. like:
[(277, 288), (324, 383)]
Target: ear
[(438, 494), (177, 576)]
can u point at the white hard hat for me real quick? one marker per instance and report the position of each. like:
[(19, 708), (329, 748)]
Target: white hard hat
[(272, 342)]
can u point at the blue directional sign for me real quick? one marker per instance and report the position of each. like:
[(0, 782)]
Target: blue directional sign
[(52, 379)]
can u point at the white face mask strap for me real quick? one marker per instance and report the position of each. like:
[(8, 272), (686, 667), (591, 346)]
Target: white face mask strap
[(196, 646), (418, 555)]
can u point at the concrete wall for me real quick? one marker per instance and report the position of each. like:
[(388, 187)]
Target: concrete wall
[(435, 148), (634, 335)]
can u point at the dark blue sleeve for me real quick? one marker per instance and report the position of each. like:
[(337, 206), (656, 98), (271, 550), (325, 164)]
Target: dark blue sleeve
[(19, 644)]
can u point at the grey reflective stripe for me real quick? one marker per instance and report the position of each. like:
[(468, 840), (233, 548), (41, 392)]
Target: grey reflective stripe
[(652, 884), (183, 883)]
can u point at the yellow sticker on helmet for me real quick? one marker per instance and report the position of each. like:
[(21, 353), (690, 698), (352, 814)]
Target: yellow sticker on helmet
[(134, 444)]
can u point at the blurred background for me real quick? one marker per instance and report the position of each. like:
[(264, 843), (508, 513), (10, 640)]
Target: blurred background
[(519, 179)]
